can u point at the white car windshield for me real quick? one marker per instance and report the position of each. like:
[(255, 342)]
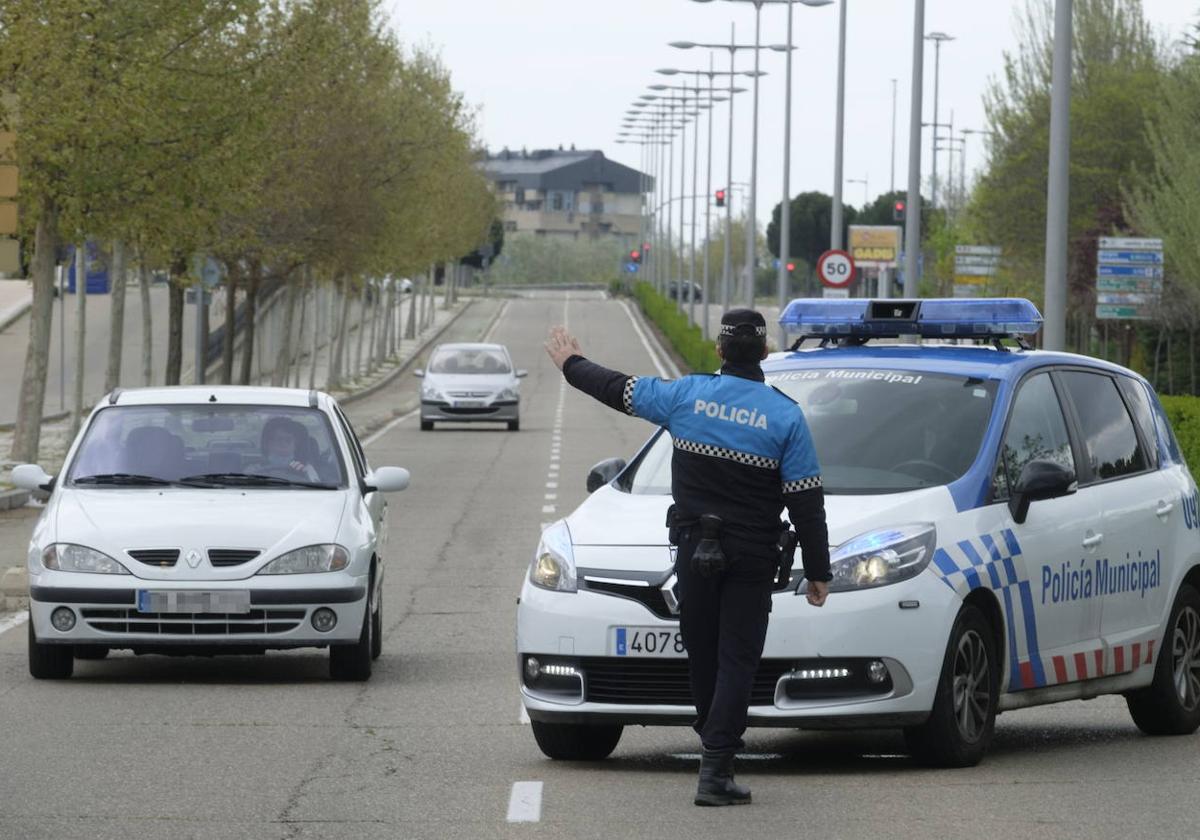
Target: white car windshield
[(875, 431), (242, 445), (481, 360)]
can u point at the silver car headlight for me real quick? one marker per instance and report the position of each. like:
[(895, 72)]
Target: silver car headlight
[(430, 392), (882, 557), (509, 394), (553, 564), (311, 558), (68, 557)]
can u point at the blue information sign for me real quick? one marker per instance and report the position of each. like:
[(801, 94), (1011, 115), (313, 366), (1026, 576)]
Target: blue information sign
[(1154, 271)]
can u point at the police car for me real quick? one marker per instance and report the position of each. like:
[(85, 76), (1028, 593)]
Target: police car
[(1008, 527), (210, 520)]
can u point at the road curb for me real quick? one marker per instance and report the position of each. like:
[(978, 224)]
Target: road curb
[(9, 318), (406, 364), (49, 418), (12, 499)]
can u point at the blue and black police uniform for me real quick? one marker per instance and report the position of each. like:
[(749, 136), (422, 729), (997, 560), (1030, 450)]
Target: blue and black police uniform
[(742, 452)]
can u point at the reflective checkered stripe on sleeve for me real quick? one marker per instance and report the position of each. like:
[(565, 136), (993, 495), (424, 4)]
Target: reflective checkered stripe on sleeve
[(810, 483), (729, 454), (627, 395)]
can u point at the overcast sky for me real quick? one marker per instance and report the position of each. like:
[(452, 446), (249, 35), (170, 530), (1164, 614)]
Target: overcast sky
[(549, 72)]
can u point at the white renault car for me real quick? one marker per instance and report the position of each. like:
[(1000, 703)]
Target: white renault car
[(209, 520), (1009, 527)]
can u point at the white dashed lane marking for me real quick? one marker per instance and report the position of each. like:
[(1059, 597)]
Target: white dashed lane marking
[(525, 802)]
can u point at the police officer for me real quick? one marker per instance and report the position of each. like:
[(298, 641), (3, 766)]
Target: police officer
[(742, 452)]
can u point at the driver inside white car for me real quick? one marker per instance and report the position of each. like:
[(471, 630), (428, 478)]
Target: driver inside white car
[(282, 442)]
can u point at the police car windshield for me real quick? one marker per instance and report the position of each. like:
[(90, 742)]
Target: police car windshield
[(875, 431), (209, 445)]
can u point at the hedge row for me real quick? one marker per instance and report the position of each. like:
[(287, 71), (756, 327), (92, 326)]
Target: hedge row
[(688, 341), (1184, 413)]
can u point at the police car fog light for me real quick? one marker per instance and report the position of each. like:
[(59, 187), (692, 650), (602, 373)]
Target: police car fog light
[(558, 671), (324, 619), (63, 619), (532, 668), (877, 672), (821, 674)]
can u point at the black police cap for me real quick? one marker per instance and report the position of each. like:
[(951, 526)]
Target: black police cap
[(743, 322)]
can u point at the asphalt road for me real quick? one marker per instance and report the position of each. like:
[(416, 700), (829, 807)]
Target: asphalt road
[(432, 746)]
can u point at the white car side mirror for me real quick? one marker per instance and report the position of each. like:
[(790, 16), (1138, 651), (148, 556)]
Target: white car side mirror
[(418, 373), (30, 477), (387, 480)]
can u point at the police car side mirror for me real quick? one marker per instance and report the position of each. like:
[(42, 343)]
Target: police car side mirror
[(604, 472), (1040, 480)]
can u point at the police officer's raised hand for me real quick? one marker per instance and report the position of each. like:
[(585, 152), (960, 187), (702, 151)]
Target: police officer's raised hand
[(818, 591), (561, 346)]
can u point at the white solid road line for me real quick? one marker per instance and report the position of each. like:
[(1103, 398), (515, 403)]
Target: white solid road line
[(650, 351), (15, 620), (377, 435), (525, 802), (488, 335)]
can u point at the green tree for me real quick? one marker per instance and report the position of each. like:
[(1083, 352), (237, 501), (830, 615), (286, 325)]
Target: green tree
[(1116, 68), (811, 223)]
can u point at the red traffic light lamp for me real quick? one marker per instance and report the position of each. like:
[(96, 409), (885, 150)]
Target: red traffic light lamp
[(635, 256), (898, 208), (791, 267), (720, 198)]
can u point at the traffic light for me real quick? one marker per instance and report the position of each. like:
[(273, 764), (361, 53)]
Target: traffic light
[(898, 208), (645, 249), (635, 256), (720, 198), (791, 267)]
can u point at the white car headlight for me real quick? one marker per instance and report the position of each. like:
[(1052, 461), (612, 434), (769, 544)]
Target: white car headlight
[(879, 558), (430, 392), (67, 557), (509, 394), (553, 564), (312, 558)]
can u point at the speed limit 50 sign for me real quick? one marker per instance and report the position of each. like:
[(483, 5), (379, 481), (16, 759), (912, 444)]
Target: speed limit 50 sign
[(836, 269)]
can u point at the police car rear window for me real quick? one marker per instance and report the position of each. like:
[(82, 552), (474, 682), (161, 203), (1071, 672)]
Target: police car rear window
[(875, 431)]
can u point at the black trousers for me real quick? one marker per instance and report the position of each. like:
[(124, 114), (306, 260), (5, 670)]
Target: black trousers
[(723, 620)]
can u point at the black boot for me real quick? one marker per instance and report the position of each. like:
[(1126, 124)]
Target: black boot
[(716, 781)]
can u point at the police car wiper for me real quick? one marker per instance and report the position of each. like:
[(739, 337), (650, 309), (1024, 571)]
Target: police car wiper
[(252, 480), (123, 480)]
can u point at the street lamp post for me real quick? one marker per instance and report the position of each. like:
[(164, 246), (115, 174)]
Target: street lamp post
[(938, 38), (862, 181), (836, 223), (892, 181), (912, 230), (1054, 335)]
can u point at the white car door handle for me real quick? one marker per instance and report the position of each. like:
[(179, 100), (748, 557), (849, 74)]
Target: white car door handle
[(1093, 541), (1164, 508)]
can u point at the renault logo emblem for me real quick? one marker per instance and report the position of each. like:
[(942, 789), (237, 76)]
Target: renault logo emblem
[(193, 558), (670, 594)]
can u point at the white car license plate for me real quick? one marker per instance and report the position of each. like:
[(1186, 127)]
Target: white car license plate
[(177, 601), (468, 403), (657, 642)]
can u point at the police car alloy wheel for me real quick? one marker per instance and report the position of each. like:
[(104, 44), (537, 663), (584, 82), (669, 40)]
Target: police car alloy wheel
[(960, 726), (1171, 704), (576, 742)]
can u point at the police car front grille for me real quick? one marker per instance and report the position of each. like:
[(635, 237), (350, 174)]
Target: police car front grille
[(192, 624), (662, 682), (651, 597)]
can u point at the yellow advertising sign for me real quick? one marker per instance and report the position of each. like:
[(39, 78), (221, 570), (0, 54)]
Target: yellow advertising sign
[(8, 181), (8, 218), (875, 245)]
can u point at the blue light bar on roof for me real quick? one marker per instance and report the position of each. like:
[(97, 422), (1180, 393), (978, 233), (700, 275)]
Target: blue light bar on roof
[(928, 318)]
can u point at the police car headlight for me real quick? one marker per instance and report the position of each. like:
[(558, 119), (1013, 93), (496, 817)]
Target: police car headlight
[(308, 560), (68, 557), (553, 564), (879, 558)]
